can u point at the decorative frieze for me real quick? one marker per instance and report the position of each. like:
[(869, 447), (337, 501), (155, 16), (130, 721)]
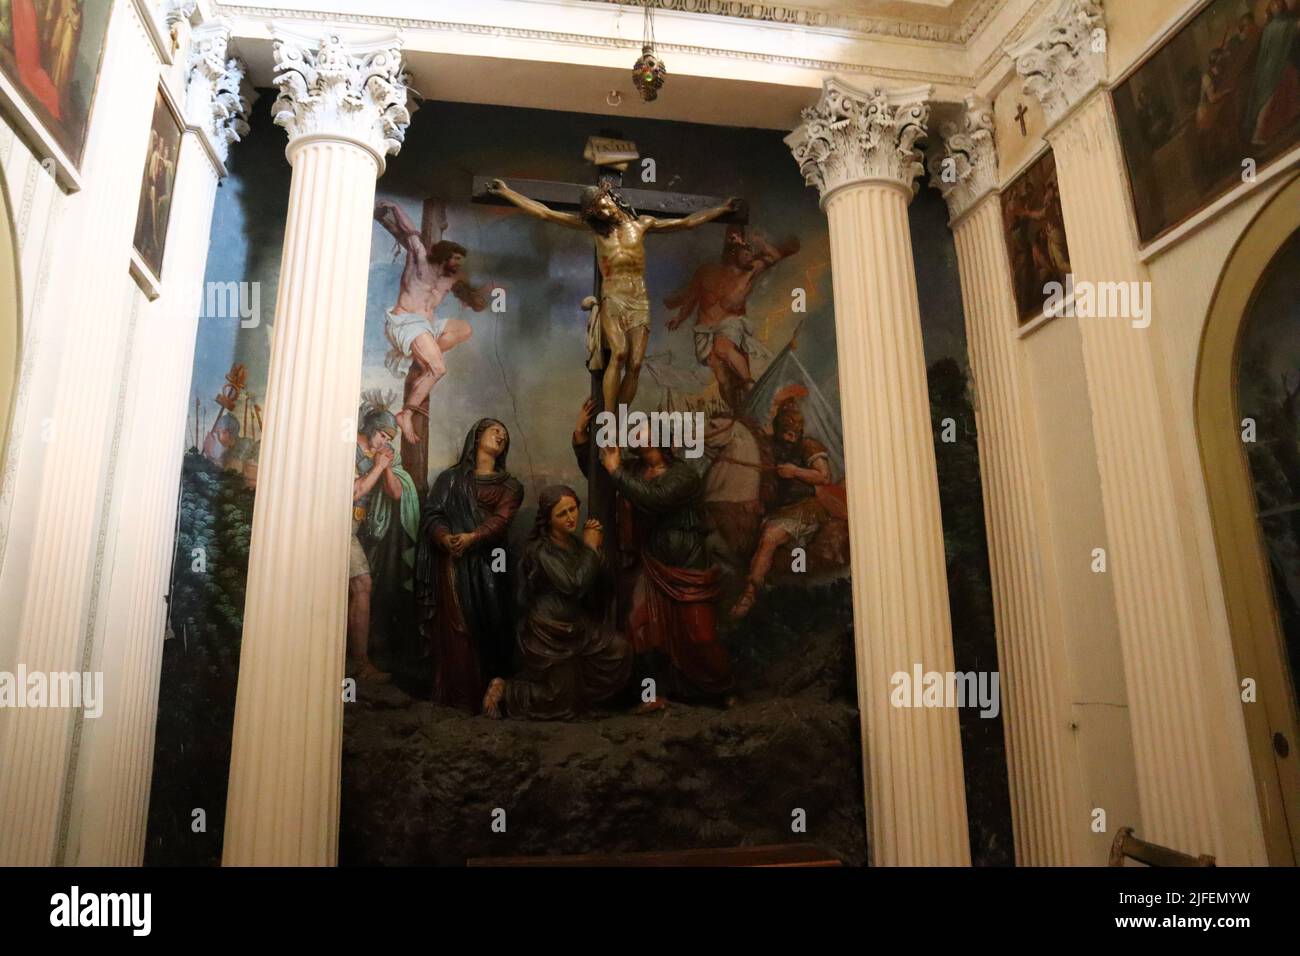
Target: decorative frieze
[(836, 19)]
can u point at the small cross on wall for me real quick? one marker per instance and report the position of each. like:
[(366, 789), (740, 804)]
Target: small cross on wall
[(1020, 118)]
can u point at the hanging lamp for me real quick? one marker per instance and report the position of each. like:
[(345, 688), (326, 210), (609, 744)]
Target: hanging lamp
[(649, 71)]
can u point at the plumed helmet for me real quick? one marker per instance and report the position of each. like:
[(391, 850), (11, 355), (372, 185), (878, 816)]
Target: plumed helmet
[(380, 421), (787, 415), (374, 414)]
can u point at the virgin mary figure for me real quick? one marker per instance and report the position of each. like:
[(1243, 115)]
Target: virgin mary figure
[(464, 584)]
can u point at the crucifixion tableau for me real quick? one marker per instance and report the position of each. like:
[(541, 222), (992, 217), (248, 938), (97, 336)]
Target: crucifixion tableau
[(618, 327), (623, 312)]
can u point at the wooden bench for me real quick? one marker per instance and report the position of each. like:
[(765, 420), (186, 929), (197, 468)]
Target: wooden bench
[(1127, 846)]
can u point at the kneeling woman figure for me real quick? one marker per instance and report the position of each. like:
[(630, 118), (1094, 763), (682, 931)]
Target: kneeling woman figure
[(569, 661)]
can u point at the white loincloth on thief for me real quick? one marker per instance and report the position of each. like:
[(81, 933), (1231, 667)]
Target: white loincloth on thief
[(735, 328), (402, 329)]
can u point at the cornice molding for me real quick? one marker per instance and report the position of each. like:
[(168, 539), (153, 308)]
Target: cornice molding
[(963, 37), (820, 18), (1014, 36), (411, 24)]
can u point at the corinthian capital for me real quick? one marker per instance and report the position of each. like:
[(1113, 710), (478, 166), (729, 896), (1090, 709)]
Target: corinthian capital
[(965, 166), (333, 88), (1065, 59), (854, 135), (218, 95), (176, 11)]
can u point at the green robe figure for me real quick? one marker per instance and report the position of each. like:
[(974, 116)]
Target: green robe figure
[(383, 493), (569, 661)]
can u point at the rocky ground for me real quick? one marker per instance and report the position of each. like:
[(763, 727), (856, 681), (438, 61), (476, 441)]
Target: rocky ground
[(421, 782)]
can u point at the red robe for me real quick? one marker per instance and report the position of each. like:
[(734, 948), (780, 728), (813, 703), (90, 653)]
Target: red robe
[(27, 58), (674, 611), (673, 602)]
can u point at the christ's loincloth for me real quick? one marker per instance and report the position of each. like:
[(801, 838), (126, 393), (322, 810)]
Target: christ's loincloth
[(734, 328), (402, 329), (624, 300)]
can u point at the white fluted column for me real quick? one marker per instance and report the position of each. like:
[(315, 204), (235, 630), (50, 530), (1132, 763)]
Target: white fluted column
[(36, 743), (111, 797), (1192, 767), (1046, 807), (858, 148), (344, 107)]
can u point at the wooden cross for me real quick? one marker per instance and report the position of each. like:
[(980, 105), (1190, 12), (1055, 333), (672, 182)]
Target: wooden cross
[(1020, 118), (567, 197)]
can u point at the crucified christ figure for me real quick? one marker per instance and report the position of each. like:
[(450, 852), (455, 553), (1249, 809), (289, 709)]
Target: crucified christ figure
[(416, 337), (624, 309)]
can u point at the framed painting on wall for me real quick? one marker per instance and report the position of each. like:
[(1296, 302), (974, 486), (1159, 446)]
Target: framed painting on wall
[(1218, 101), (156, 189), (50, 56), (1035, 232)]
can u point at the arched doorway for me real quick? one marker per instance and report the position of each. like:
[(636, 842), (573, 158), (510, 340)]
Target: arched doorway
[(1247, 407), (10, 318)]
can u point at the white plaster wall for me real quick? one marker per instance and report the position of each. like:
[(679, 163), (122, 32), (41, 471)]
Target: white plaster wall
[(56, 482)]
